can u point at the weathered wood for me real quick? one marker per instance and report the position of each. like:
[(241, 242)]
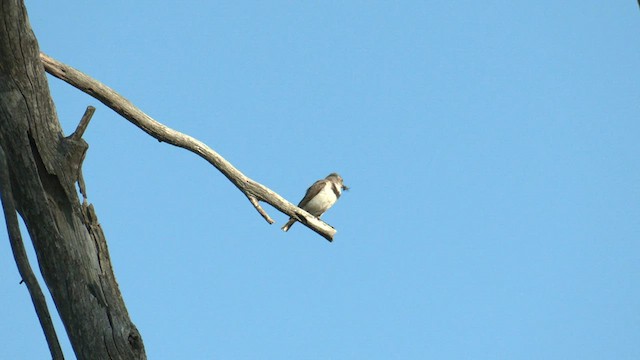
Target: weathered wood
[(22, 260), (253, 190), (43, 168)]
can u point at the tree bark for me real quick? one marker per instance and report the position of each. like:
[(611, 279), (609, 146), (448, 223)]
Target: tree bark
[(44, 167)]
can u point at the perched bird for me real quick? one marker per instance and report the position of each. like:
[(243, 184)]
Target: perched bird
[(320, 197)]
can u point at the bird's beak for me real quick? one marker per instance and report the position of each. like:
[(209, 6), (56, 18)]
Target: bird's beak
[(345, 187)]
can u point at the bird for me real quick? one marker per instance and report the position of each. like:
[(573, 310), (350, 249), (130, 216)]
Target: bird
[(320, 197)]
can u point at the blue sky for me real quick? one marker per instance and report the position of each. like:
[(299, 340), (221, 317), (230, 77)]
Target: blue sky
[(491, 147)]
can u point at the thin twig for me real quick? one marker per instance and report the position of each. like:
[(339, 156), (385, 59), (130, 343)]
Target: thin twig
[(22, 261), (251, 189), (264, 214)]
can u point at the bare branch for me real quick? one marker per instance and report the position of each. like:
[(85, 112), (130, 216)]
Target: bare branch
[(253, 190), (22, 261)]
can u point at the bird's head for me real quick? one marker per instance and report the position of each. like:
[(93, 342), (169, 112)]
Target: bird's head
[(338, 179)]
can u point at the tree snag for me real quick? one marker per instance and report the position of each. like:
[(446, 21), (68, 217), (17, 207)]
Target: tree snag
[(43, 167)]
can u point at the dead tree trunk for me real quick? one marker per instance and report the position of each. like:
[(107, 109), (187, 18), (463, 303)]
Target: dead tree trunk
[(43, 168)]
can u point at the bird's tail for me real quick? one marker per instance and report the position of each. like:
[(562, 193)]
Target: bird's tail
[(286, 226)]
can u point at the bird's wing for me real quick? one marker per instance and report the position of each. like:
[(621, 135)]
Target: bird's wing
[(312, 192)]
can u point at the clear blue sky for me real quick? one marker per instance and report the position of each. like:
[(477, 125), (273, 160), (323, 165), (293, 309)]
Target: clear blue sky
[(492, 149)]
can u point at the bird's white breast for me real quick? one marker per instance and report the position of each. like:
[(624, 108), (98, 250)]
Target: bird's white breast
[(321, 202)]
